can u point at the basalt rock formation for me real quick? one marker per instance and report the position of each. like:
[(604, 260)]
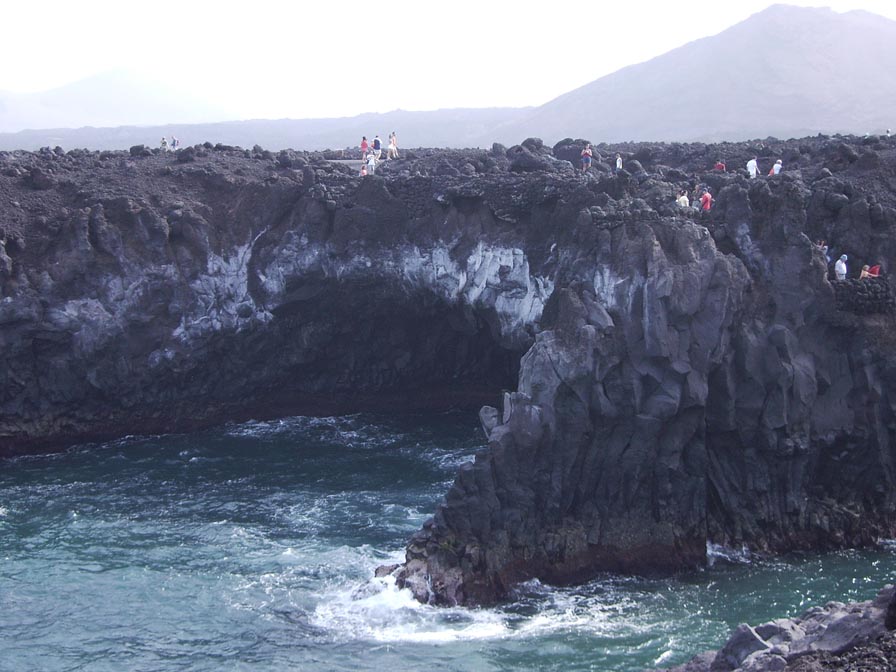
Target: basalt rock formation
[(837, 636), (692, 381), (673, 377), (156, 292)]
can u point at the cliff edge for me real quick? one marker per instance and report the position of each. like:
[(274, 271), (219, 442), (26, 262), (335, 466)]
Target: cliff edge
[(672, 378)]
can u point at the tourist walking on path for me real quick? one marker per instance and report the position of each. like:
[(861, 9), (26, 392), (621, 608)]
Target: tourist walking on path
[(364, 147), (752, 167), (706, 201), (840, 268), (775, 169), (377, 147), (618, 162), (371, 163), (587, 155)]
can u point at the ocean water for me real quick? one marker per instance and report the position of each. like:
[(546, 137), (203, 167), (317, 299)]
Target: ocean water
[(253, 546)]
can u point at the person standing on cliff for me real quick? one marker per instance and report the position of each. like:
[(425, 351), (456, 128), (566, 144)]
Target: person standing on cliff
[(371, 163), (587, 155), (377, 147), (706, 201), (618, 162), (720, 165), (682, 199), (364, 147), (753, 167), (775, 169), (840, 268), (392, 151)]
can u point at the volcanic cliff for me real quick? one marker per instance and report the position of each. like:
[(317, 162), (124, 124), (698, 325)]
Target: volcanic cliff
[(672, 377)]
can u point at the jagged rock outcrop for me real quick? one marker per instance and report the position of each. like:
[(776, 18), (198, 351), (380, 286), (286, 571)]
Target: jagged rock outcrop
[(836, 636), (693, 382), (143, 293), (685, 377)]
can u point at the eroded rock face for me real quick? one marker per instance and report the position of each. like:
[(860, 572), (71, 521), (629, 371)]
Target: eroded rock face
[(144, 294), (677, 396), (673, 378)]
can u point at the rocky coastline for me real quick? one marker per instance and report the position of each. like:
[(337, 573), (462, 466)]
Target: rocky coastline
[(836, 636), (654, 378)]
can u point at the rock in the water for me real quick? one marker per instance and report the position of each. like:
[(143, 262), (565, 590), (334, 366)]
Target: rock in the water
[(823, 638)]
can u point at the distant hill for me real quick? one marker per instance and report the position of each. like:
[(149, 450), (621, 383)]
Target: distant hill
[(785, 72), (441, 128), (107, 99)]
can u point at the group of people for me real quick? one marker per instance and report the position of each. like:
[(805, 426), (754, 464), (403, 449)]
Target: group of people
[(702, 199), (171, 145), (840, 266), (587, 158), (372, 152), (753, 167), (703, 194), (867, 272)]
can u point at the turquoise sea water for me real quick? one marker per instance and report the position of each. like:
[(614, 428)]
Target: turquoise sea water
[(252, 547)]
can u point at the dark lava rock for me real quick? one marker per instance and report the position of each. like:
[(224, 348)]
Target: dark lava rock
[(673, 378), (834, 637), (40, 179), (524, 160), (186, 155)]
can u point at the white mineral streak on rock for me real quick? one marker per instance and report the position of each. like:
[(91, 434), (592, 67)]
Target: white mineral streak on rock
[(490, 278), (218, 293), (605, 282)]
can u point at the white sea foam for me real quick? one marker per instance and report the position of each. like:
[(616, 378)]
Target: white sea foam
[(740, 556), (382, 612)]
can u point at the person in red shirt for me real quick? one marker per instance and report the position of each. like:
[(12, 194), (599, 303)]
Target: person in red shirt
[(873, 272), (364, 147), (719, 165), (706, 201)]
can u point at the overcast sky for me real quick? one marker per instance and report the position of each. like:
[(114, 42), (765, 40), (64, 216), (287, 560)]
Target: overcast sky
[(329, 58)]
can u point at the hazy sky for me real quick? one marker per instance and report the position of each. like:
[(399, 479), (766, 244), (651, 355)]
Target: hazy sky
[(326, 58)]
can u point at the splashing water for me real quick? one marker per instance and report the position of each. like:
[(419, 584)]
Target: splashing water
[(254, 547)]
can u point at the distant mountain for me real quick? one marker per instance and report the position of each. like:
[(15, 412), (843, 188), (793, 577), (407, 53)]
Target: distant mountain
[(441, 128), (784, 72), (108, 99)]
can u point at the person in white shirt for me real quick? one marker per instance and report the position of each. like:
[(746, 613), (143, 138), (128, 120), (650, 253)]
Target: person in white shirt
[(752, 167), (618, 162), (777, 167), (682, 199), (840, 268)]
